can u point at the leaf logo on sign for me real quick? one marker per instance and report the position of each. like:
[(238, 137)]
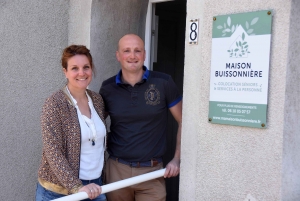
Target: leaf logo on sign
[(229, 28), (250, 31), (239, 47)]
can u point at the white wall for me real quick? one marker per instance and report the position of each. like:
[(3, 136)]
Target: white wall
[(32, 36), (291, 137), (223, 162), (79, 23), (111, 20)]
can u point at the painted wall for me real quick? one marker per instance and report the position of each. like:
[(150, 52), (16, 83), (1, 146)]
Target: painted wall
[(222, 162), (291, 137), (32, 35), (110, 20), (79, 22)]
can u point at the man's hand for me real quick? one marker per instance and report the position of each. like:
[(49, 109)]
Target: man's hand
[(173, 168)]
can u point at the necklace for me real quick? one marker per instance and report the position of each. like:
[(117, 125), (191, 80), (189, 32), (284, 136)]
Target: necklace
[(89, 122), (91, 125)]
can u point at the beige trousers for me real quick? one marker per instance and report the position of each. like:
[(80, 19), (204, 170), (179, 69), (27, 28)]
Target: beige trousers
[(152, 190)]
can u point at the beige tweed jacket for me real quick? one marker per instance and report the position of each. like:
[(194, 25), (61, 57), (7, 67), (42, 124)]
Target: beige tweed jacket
[(59, 168)]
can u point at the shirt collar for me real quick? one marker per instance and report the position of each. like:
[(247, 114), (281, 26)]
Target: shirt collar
[(73, 99), (119, 75)]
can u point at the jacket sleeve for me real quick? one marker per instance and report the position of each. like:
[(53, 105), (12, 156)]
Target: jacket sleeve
[(54, 145)]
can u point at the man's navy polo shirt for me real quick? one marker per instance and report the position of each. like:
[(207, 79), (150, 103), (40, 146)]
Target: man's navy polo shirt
[(139, 115)]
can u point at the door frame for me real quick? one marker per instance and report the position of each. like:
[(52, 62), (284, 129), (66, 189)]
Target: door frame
[(150, 22)]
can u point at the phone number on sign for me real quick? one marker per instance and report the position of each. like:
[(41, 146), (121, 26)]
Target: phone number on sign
[(237, 111)]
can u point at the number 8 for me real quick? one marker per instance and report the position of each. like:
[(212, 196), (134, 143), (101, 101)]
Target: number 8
[(193, 31)]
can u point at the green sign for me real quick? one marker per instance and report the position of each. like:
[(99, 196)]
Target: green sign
[(240, 69)]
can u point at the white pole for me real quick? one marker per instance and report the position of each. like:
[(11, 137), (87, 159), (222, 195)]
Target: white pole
[(73, 197), (116, 185)]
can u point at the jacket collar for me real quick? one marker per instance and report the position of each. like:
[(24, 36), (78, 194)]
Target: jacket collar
[(70, 100)]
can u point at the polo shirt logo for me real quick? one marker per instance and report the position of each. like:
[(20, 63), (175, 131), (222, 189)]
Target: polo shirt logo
[(152, 95)]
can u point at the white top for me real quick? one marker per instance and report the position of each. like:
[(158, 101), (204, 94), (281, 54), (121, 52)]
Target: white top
[(92, 154)]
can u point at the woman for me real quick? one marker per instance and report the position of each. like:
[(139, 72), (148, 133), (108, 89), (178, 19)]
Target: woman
[(74, 131)]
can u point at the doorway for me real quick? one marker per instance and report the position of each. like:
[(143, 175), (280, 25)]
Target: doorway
[(167, 56)]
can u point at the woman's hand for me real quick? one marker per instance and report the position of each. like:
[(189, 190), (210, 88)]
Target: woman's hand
[(93, 190)]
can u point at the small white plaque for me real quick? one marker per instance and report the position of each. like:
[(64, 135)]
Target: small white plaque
[(193, 31)]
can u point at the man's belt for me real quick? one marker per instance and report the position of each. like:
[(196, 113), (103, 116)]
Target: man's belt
[(151, 163)]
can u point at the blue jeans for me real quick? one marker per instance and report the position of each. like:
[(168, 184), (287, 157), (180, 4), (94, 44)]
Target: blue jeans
[(43, 194)]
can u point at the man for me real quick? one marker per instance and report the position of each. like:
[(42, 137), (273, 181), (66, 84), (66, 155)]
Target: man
[(138, 101)]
